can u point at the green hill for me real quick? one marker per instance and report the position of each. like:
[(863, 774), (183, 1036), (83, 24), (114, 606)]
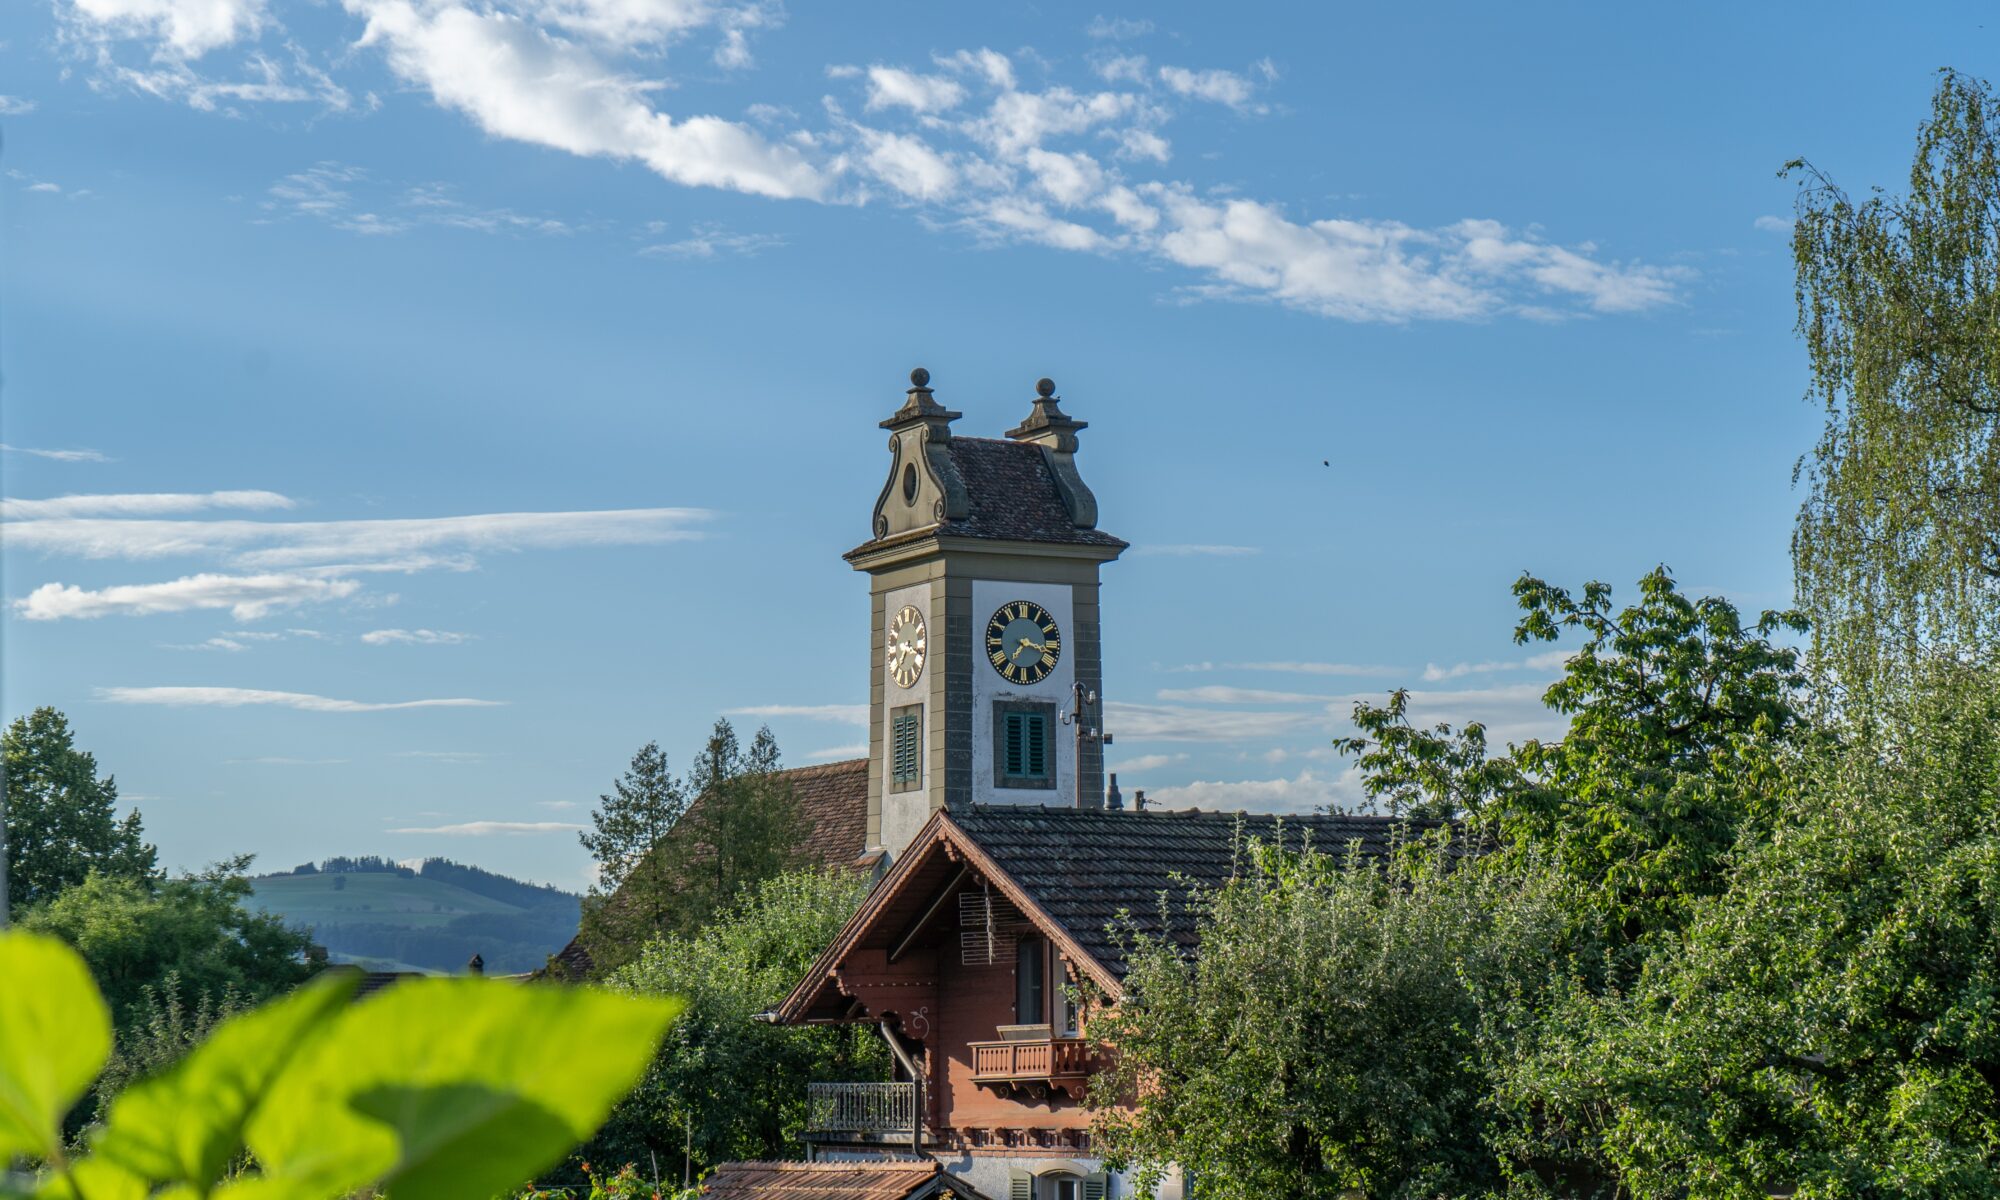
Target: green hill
[(435, 916)]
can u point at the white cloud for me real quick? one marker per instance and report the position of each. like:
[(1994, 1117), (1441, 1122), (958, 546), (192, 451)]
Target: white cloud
[(413, 637), (851, 714), (279, 760), (1117, 28), (1304, 793), (490, 828), (1770, 224), (1142, 723), (393, 543), (857, 750), (1146, 762), (57, 455), (907, 164), (346, 197), (1309, 668), (1237, 695), (991, 65), (1222, 87), (139, 504), (50, 188), (247, 597), (227, 697), (516, 80), (555, 804), (892, 87), (1551, 660), (228, 645), (1195, 549), (461, 757), (15, 106), (187, 28), (714, 241), (1122, 68)]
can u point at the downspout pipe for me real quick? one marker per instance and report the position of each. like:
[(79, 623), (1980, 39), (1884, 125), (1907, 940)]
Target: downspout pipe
[(916, 1081)]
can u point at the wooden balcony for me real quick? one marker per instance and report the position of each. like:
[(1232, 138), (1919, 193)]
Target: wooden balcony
[(1035, 1066), (840, 1111)]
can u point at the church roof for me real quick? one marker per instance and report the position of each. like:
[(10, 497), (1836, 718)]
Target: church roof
[(1011, 496)]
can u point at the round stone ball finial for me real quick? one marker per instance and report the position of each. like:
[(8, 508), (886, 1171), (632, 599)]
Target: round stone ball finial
[(1045, 388), (920, 378)]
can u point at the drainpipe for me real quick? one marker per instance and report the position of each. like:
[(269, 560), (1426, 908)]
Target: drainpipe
[(916, 1084)]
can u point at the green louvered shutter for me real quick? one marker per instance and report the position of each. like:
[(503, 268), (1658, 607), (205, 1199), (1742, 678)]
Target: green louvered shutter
[(908, 736), (1020, 1185), (1096, 1187), (1037, 745)]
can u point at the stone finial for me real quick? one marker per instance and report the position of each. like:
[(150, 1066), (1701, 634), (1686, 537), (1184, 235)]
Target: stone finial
[(918, 403), (1048, 425)]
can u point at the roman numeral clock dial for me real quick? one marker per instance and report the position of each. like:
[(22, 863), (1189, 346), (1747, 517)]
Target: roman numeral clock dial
[(1022, 642), (906, 646)]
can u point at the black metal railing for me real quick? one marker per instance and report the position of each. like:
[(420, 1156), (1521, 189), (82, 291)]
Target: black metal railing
[(861, 1107)]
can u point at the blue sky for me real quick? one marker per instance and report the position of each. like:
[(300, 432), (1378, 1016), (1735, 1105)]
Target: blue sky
[(413, 406)]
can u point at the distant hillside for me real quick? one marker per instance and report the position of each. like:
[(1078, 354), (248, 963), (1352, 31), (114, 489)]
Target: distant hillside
[(434, 916)]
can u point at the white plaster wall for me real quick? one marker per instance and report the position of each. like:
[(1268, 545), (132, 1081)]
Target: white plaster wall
[(903, 813), (991, 1176), (987, 686)]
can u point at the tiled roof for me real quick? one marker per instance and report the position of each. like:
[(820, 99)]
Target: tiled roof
[(1085, 866), (1011, 495), (824, 1181), (833, 800)]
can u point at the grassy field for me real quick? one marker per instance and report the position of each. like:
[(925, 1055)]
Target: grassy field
[(369, 897)]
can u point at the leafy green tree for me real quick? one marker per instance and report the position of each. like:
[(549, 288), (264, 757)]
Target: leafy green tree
[(137, 934), (62, 818), (1322, 1043), (438, 1089), (1897, 547), (730, 824), (725, 1085), (1828, 1025)]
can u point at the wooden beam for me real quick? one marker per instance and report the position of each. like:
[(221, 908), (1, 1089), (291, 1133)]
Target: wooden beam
[(937, 903)]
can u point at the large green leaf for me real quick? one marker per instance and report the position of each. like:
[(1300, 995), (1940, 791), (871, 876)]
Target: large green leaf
[(185, 1126), (55, 1034), (454, 1089)]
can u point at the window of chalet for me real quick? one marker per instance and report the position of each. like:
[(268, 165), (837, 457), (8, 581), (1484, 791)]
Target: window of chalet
[(906, 741), (1058, 1185), (1031, 961)]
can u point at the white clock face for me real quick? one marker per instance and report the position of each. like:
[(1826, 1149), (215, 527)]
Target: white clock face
[(906, 646)]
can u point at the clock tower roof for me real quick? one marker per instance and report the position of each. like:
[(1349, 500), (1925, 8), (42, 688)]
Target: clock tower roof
[(1020, 488)]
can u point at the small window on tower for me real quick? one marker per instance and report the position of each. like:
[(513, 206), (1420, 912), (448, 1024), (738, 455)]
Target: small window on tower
[(906, 748), (910, 484), (1024, 749)]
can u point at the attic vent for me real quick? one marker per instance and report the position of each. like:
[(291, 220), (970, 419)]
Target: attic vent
[(987, 926)]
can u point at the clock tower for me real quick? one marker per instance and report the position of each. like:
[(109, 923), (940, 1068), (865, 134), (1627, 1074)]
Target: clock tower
[(983, 619)]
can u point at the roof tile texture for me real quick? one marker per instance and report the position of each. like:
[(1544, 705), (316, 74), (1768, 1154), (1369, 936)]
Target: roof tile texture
[(820, 1181), (1085, 866)]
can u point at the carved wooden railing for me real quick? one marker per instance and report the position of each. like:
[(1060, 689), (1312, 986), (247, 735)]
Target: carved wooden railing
[(1042, 1060), (861, 1107)]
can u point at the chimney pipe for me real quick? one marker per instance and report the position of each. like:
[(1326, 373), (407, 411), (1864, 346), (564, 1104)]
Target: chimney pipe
[(1112, 800)]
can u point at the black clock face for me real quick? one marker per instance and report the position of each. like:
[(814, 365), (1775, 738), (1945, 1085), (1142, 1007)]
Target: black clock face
[(1022, 642)]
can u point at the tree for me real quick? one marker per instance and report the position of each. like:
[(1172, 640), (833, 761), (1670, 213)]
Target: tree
[(62, 818), (675, 853), (135, 934), (1322, 1041), (725, 1085), (1827, 1025), (1897, 546)]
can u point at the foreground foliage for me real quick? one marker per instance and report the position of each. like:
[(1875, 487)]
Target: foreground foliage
[(726, 1085), (448, 1089)]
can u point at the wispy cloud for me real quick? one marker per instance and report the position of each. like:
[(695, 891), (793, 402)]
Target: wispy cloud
[(1156, 723), (715, 241), (347, 197), (299, 543), (138, 504), (1146, 762), (247, 597), (1551, 660), (1117, 28), (490, 828), (90, 456), (1237, 695), (461, 757), (15, 106), (1305, 792), (413, 637), (830, 753), (555, 804), (1770, 224), (228, 697), (1195, 550), (1293, 668), (279, 760), (851, 714)]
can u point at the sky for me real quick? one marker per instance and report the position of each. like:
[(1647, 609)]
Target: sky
[(412, 407)]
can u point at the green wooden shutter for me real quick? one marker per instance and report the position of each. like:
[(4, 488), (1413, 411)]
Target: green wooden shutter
[(1096, 1187), (1020, 1185), (1037, 748), (908, 736), (1016, 739)]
